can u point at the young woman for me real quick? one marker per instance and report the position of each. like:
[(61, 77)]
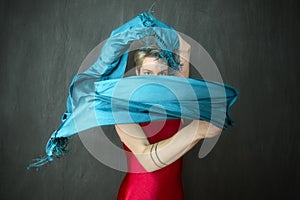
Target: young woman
[(155, 149)]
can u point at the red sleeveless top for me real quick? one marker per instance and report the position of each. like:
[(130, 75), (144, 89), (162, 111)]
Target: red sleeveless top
[(162, 184)]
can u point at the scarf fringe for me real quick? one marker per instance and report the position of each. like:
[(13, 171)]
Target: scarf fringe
[(56, 147)]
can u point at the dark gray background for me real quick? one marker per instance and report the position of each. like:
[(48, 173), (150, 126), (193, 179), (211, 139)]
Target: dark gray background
[(255, 44)]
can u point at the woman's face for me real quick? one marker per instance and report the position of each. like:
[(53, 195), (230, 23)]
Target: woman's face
[(154, 67)]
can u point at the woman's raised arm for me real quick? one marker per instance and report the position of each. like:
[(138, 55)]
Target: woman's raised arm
[(158, 155), (184, 53)]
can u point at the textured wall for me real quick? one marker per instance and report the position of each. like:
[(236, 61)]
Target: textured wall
[(255, 44)]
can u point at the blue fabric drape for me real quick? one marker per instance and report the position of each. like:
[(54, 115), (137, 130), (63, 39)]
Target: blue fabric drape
[(100, 96)]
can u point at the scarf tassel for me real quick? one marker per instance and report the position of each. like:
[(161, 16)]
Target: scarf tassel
[(56, 147)]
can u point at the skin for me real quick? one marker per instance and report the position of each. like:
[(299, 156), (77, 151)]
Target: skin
[(152, 66)]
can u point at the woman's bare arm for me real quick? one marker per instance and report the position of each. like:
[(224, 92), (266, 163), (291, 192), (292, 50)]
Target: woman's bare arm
[(158, 155), (184, 53)]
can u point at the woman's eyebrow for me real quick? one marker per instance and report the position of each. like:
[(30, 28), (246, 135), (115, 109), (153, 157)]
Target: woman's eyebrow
[(145, 69), (163, 70)]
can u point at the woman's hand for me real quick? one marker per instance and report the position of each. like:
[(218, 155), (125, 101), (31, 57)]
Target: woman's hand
[(206, 129)]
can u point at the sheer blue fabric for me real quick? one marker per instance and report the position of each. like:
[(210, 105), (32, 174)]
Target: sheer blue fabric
[(101, 96)]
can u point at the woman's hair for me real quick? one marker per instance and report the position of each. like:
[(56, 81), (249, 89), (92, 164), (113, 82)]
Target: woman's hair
[(140, 55)]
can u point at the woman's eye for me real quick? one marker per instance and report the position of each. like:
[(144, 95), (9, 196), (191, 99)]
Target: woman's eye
[(163, 74), (147, 73)]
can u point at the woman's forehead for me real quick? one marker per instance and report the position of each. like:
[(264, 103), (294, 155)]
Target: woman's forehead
[(153, 62)]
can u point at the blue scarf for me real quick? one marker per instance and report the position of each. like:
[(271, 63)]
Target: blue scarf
[(100, 96)]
